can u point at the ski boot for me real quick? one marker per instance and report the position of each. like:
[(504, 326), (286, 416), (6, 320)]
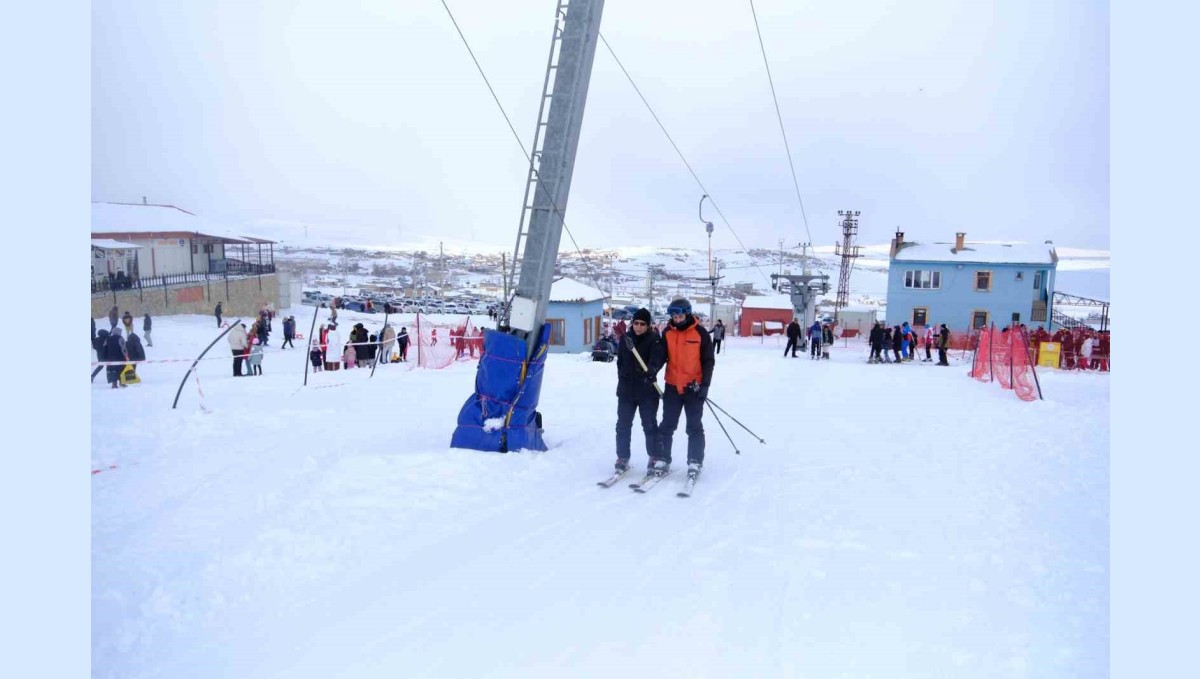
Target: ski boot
[(694, 470), (658, 466), (622, 464)]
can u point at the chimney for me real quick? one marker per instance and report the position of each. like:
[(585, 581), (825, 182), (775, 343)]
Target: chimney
[(897, 242), (958, 240), (143, 200)]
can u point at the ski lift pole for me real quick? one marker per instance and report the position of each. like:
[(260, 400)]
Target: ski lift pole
[(308, 354), (197, 361), (379, 347)]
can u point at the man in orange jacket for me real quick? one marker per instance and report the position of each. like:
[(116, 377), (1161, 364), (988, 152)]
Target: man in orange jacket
[(689, 361)]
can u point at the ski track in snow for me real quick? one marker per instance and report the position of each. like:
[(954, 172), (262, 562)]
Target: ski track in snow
[(899, 521)]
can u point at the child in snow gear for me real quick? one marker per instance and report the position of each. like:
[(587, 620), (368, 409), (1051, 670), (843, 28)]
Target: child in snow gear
[(943, 345), (814, 336), (135, 352), (217, 313), (636, 388), (718, 336), (254, 363), (146, 329), (689, 359)]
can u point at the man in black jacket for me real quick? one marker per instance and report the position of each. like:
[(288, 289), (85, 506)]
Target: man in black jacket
[(943, 345), (635, 386), (876, 340), (793, 335)]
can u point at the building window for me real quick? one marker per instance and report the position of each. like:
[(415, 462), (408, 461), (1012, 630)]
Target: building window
[(1037, 280), (1020, 275), (1016, 317), (923, 280), (587, 332), (983, 281), (558, 331), (195, 248), (208, 248), (979, 320), (920, 316)]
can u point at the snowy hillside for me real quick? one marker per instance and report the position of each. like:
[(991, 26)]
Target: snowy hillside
[(899, 521), (626, 272)]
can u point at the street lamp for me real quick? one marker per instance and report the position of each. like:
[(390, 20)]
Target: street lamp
[(712, 274)]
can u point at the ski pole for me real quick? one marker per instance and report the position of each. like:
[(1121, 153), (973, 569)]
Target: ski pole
[(714, 414), (760, 439)]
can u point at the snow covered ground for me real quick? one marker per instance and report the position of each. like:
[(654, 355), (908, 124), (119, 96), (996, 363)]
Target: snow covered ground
[(900, 521)]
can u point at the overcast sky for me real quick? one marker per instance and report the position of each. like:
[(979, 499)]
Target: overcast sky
[(932, 115)]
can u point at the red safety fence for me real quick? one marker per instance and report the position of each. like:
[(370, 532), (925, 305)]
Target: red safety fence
[(1003, 356), (438, 345)]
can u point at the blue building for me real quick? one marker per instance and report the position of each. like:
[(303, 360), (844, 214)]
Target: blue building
[(574, 313), (971, 285)]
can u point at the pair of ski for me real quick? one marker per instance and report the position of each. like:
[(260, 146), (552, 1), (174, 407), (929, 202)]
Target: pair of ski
[(649, 481)]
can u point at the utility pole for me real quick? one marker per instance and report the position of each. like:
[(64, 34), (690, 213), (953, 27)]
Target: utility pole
[(804, 257), (780, 256)]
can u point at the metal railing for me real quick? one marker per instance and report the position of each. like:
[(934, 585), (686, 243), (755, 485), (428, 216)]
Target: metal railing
[(232, 269)]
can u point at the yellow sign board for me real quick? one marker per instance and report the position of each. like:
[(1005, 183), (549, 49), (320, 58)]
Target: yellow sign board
[(1048, 354)]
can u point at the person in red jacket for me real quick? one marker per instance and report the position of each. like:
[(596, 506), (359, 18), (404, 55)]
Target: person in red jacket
[(1101, 354), (689, 361)]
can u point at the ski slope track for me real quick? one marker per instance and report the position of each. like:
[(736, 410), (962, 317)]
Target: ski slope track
[(900, 521)]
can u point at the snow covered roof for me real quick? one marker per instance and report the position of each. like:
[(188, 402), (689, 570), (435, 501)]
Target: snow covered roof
[(110, 244), (571, 290), (769, 302), (129, 218), (978, 252)]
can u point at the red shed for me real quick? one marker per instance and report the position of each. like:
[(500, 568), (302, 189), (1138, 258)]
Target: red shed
[(766, 308)]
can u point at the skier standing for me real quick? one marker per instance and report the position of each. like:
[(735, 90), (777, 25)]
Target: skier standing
[(636, 388), (689, 359)]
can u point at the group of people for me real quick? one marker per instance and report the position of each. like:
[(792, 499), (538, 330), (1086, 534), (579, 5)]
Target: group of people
[(903, 343), (819, 335), (120, 348), (362, 348), (685, 348), (1082, 348)]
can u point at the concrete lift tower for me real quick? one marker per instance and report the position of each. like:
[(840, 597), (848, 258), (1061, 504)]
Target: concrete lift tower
[(502, 415)]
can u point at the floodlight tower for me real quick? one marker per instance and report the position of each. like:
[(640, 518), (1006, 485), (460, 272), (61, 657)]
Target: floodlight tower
[(712, 272), (848, 251)]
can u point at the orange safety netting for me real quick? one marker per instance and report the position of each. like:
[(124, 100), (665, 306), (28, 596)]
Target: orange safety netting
[(437, 345), (1004, 355)]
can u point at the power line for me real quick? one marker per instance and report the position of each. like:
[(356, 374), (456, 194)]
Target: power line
[(549, 195), (676, 147), (779, 115)]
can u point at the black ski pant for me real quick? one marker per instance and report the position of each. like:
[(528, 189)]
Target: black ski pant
[(287, 342), (942, 357), (816, 349), (647, 404), (928, 357), (238, 355), (717, 346), (692, 406), (792, 346)]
